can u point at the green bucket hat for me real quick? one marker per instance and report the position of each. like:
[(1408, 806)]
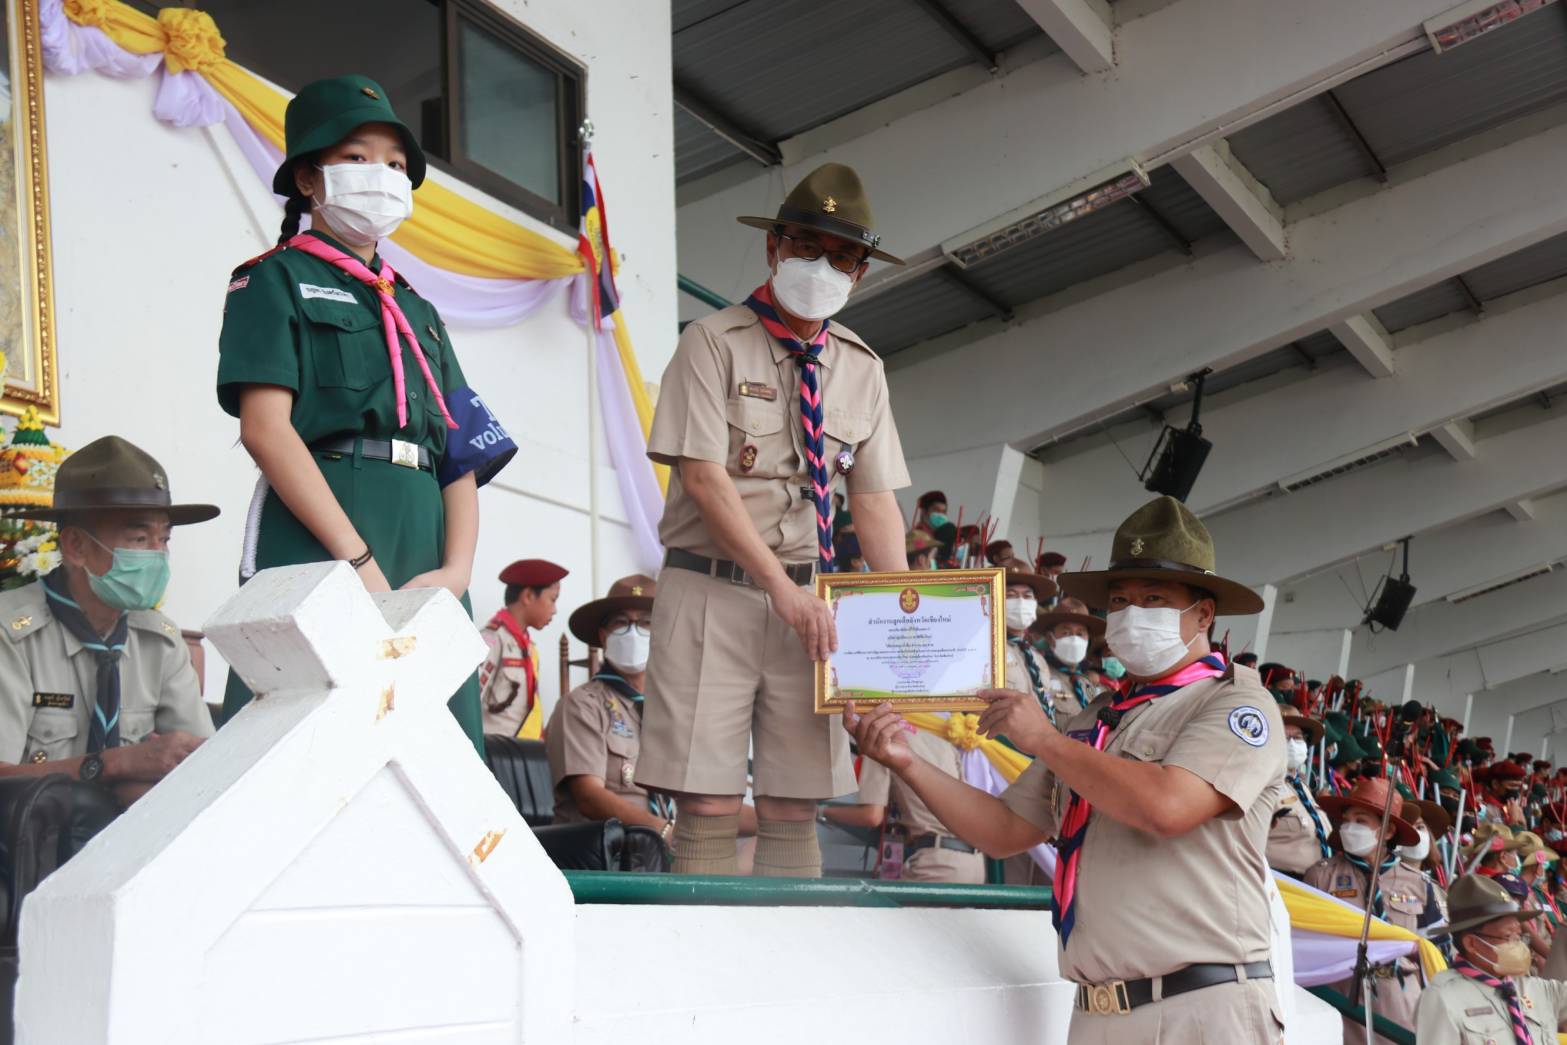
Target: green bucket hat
[(1162, 541), (113, 474), (1349, 750), (830, 199), (1445, 778), (324, 113)]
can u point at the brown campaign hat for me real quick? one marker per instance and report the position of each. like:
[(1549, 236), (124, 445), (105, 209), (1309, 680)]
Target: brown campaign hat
[(830, 199), (1310, 726), (1044, 587), (113, 474), (1475, 900), (629, 593), (1436, 819), (1371, 793), (1162, 541), (1070, 611)]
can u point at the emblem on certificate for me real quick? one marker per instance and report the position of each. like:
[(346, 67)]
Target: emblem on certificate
[(918, 641)]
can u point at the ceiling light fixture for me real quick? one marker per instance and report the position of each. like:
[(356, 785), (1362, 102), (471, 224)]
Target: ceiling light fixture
[(1474, 19), (1044, 219)]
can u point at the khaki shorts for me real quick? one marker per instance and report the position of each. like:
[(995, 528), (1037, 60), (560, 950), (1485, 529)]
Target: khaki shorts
[(945, 865), (726, 676)]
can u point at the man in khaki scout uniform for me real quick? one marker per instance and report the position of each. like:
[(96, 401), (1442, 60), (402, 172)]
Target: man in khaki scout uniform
[(1406, 897), (1070, 631), (930, 852), (766, 409), (1026, 670), (1488, 997), (94, 682), (1298, 839), (1159, 802)]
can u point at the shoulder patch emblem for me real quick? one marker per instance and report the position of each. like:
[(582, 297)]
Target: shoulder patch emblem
[(1250, 725), (239, 284)]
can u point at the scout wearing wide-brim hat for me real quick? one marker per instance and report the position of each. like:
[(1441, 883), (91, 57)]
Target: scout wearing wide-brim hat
[(326, 112), (918, 540), (112, 474), (1044, 588), (1436, 819), (1310, 726), (629, 593), (830, 199), (1489, 837), (1531, 849), (1475, 900), (1163, 541), (1371, 794), (1070, 611)]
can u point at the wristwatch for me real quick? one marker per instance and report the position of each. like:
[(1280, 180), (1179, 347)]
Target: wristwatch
[(92, 767)]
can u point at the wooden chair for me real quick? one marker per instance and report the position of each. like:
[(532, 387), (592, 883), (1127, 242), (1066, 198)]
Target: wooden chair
[(590, 662)]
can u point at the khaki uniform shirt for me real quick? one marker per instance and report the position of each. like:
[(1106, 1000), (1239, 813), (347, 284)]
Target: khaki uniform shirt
[(1148, 906), (503, 681), (1455, 1010), (1292, 840), (1062, 692), (1062, 703), (880, 787), (594, 731), (731, 395), (1406, 892), (49, 682)]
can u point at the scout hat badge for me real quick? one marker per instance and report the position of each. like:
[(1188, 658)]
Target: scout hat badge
[(111, 474), (629, 593), (1163, 541), (323, 114), (1371, 793), (1475, 900), (830, 199)]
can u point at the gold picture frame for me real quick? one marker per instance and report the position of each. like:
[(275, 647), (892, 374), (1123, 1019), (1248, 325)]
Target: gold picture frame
[(27, 333), (987, 587)]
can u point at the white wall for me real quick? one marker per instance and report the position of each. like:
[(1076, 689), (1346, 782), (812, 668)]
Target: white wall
[(148, 222)]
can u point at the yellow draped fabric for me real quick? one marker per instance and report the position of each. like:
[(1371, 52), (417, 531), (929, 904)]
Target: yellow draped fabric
[(962, 731), (1317, 914)]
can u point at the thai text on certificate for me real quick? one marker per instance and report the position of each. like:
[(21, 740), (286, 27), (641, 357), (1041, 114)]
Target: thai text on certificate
[(941, 647)]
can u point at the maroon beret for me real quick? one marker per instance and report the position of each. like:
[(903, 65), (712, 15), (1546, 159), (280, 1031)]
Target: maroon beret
[(1507, 771), (1052, 559), (930, 497), (533, 573)]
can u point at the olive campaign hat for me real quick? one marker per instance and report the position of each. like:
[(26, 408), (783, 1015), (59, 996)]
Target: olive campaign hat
[(112, 474), (629, 593), (1162, 541), (1071, 611), (830, 199), (323, 114), (1475, 900)]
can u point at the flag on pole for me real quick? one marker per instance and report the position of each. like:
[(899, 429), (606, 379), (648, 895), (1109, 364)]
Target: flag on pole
[(593, 242)]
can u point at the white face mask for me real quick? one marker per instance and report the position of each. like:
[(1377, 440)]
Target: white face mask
[(1296, 751), (1147, 641), (1021, 612), (364, 202), (1417, 852), (811, 289), (1357, 839), (1070, 649), (628, 650)]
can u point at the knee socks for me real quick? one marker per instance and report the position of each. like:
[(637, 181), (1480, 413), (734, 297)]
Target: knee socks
[(706, 844), (787, 849)]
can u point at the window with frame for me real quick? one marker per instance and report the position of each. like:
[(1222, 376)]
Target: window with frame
[(489, 101)]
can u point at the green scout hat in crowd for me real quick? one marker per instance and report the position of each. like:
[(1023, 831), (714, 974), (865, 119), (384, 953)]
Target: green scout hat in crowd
[(1162, 541), (1349, 750), (1475, 900), (1445, 778), (830, 199), (324, 113), (111, 474)]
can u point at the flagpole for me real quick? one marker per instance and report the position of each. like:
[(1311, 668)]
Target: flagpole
[(585, 135)]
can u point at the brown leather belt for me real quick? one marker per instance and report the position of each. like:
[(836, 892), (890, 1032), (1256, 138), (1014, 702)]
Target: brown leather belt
[(801, 573), (1119, 997)]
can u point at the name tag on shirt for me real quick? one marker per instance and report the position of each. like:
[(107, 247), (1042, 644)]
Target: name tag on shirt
[(1484, 1010), (310, 290), (54, 700), (756, 391)]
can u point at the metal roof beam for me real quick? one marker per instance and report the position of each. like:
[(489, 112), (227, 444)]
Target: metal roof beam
[(1457, 438), (1361, 143), (1523, 510), (962, 34), (726, 127), (1084, 29), (1240, 199), (961, 280), (1367, 341)]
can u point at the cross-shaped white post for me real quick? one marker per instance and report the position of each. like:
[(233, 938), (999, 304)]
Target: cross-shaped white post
[(337, 861)]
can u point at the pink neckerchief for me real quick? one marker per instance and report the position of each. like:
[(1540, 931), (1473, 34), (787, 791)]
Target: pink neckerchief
[(393, 322), (1193, 672)]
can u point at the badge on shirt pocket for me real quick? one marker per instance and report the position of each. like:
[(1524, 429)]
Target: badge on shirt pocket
[(748, 457), (754, 390), (54, 700)]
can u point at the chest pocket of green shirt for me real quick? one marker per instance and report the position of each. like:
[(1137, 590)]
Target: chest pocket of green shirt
[(347, 341)]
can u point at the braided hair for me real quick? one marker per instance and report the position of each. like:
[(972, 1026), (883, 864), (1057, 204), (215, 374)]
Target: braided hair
[(296, 207)]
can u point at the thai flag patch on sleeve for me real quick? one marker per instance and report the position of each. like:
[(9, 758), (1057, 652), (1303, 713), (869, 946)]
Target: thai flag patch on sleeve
[(479, 444)]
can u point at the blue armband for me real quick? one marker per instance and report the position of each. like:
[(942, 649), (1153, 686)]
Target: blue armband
[(479, 444)]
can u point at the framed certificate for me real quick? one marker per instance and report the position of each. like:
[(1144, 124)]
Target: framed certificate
[(925, 641)]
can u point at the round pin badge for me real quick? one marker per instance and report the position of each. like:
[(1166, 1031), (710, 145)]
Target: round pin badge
[(844, 462), (748, 458)]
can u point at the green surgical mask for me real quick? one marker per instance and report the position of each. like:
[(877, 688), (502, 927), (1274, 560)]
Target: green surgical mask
[(136, 580), (936, 520)]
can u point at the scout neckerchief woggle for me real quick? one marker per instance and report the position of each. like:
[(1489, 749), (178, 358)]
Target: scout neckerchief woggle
[(1074, 825), (805, 357), (103, 731), (1509, 992), (393, 322), (504, 619)]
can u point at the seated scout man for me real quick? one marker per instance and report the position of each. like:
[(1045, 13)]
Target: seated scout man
[(94, 682), (1298, 838), (1159, 802)]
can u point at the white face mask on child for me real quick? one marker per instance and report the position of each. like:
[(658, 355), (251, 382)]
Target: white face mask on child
[(364, 202)]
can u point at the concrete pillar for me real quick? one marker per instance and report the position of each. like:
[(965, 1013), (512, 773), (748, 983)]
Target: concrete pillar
[(1469, 706), (1409, 683), (1507, 739), (1343, 654)]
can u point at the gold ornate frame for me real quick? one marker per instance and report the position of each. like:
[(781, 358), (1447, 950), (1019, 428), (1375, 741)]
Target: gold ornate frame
[(32, 371), (990, 584)]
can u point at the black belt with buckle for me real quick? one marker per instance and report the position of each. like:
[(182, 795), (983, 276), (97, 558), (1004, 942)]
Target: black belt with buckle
[(397, 451), (801, 573), (1119, 997), (937, 842)]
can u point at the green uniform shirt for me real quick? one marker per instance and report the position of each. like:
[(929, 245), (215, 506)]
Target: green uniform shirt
[(296, 321)]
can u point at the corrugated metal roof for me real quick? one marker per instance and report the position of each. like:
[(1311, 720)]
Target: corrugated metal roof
[(698, 150), (1546, 399), (1422, 306), (1178, 203), (1520, 270), (780, 67), (920, 309), (1429, 100), (1301, 151)]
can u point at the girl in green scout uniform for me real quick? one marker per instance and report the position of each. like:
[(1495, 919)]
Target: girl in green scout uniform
[(348, 394)]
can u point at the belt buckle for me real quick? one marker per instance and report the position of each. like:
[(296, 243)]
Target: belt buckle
[(405, 454), (1107, 999)]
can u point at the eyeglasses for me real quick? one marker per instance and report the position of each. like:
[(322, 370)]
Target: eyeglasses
[(809, 250), (622, 626), (1525, 937)]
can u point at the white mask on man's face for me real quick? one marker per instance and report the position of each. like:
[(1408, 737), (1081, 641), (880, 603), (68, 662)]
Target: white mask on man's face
[(1148, 641), (1021, 612), (628, 650), (1296, 752), (811, 289), (1070, 649)]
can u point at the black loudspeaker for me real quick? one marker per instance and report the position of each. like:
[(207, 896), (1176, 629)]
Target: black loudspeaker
[(1180, 460), (1392, 604)]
